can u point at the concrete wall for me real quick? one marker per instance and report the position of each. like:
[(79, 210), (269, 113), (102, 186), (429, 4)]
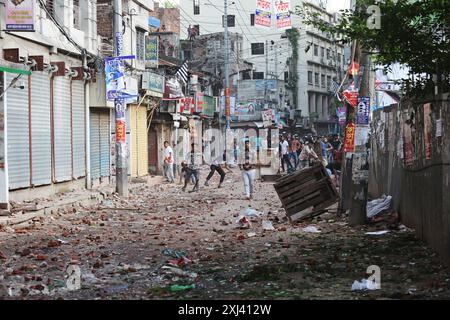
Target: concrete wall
[(421, 190)]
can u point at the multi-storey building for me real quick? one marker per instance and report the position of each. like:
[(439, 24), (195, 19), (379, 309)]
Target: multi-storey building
[(321, 61), (56, 131)]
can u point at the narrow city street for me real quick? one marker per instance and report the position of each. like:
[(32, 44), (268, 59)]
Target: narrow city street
[(162, 243)]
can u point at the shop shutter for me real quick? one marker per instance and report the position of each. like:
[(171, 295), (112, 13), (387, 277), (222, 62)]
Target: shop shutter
[(142, 142), (104, 143), (139, 141), (95, 144), (62, 129), (17, 119), (78, 125), (41, 129)]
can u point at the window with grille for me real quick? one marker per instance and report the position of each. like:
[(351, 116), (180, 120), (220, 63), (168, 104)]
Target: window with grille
[(258, 75), (258, 48), (316, 79), (252, 19), (231, 20), (50, 6), (323, 80), (246, 75), (140, 44), (328, 82), (316, 50), (196, 6), (322, 52), (76, 14), (328, 53)]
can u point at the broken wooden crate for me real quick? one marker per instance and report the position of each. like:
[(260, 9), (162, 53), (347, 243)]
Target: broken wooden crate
[(306, 192)]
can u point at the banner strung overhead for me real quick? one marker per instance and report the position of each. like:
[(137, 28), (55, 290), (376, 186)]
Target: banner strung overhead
[(263, 14), (283, 14)]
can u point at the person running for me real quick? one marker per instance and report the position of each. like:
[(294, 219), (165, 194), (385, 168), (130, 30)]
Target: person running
[(193, 162), (168, 162), (216, 165), (248, 170)]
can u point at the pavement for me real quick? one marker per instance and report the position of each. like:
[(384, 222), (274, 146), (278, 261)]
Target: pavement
[(163, 243)]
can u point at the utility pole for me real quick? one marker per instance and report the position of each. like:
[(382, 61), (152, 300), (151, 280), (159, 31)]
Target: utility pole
[(276, 76), (120, 108), (227, 71), (355, 174), (267, 71)]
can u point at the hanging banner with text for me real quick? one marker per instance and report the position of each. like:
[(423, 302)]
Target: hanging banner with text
[(283, 14), (349, 145), (363, 110), (20, 15), (263, 14), (121, 131)]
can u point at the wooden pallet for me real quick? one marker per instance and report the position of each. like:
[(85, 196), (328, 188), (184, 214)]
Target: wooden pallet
[(306, 192)]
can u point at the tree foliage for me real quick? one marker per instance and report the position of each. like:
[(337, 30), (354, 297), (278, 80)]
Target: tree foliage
[(415, 33)]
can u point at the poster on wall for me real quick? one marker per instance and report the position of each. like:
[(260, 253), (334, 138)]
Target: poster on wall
[(263, 14), (20, 15), (407, 145), (363, 110), (283, 14), (427, 128), (120, 131), (349, 145)]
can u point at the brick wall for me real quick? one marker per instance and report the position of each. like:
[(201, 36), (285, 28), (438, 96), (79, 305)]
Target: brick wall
[(169, 17), (105, 18)]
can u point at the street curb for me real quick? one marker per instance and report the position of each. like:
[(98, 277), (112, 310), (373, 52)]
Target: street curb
[(83, 200)]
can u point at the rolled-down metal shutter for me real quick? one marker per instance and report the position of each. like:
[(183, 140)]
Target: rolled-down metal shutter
[(139, 141), (94, 124), (17, 121), (104, 144), (78, 125), (62, 129), (41, 129)]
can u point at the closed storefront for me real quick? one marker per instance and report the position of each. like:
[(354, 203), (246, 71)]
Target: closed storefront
[(41, 129), (18, 133), (62, 123), (100, 143), (139, 141), (78, 129)]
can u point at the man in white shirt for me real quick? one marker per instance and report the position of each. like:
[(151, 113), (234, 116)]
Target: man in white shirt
[(168, 162), (285, 154)]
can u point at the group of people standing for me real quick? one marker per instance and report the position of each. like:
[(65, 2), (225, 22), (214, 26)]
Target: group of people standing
[(298, 153)]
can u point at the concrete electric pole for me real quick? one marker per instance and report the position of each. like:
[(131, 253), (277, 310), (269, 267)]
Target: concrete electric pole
[(227, 71), (120, 109)]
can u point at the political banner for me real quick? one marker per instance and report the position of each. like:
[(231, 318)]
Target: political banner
[(263, 14), (283, 14), (19, 15), (363, 110), (349, 144), (173, 89)]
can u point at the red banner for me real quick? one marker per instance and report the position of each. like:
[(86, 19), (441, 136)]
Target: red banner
[(121, 131), (349, 145), (353, 69), (352, 97), (227, 102)]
